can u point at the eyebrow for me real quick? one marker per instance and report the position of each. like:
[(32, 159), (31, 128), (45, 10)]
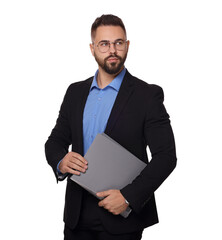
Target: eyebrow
[(109, 40)]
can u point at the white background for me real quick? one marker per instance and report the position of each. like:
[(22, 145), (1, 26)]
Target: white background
[(44, 47)]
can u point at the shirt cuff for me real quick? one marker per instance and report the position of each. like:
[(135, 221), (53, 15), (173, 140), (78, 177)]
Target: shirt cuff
[(60, 175), (58, 171)]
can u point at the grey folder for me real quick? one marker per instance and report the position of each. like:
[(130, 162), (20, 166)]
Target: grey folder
[(110, 166)]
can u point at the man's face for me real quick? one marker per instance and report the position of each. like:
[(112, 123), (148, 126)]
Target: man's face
[(112, 61)]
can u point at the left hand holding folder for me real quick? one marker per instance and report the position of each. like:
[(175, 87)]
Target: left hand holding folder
[(113, 201)]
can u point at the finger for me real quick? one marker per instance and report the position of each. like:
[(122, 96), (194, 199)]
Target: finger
[(103, 204), (115, 213), (76, 167), (100, 203), (78, 162), (72, 171), (81, 158), (103, 194)]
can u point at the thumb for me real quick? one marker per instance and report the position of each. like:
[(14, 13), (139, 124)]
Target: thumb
[(103, 194)]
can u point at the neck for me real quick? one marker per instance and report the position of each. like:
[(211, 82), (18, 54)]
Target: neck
[(104, 78)]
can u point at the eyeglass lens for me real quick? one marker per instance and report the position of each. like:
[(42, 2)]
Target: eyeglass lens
[(104, 46)]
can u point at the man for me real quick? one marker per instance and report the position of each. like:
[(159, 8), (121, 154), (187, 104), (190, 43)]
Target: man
[(132, 113)]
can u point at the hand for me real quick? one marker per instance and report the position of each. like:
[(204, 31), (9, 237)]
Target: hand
[(73, 163), (114, 201)]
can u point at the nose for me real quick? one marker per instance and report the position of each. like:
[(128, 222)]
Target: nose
[(112, 48)]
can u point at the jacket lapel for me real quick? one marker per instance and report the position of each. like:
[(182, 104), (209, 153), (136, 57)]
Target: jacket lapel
[(123, 95)]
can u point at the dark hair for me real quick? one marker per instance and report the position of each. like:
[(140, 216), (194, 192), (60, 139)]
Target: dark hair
[(106, 20)]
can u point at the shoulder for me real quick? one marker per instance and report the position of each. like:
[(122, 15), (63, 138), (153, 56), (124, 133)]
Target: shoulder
[(76, 87), (146, 89), (80, 84), (74, 91)]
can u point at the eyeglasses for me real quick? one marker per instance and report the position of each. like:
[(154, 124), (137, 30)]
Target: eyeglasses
[(119, 45)]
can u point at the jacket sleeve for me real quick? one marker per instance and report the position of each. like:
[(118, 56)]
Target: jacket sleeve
[(159, 137), (56, 147)]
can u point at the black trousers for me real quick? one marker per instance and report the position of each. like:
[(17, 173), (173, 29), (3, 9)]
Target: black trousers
[(78, 234)]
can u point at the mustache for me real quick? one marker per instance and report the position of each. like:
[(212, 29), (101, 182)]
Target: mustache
[(113, 55)]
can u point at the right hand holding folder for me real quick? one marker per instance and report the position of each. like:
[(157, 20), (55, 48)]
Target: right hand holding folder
[(73, 163)]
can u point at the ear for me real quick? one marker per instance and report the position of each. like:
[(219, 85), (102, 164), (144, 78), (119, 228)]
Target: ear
[(92, 48), (128, 43)]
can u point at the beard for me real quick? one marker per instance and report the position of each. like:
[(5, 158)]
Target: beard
[(113, 67)]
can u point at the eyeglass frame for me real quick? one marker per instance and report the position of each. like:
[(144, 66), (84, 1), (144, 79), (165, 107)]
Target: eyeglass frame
[(114, 43)]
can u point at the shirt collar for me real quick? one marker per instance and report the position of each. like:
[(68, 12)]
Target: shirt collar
[(116, 82)]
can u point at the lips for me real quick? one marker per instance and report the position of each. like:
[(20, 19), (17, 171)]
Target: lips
[(112, 59)]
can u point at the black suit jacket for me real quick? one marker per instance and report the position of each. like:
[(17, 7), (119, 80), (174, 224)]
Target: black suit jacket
[(138, 118)]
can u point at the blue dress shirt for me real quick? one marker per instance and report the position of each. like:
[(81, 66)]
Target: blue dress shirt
[(98, 108)]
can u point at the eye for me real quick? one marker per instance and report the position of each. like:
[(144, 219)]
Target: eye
[(103, 44), (119, 43)]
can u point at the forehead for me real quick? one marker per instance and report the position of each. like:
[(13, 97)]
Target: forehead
[(110, 33)]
